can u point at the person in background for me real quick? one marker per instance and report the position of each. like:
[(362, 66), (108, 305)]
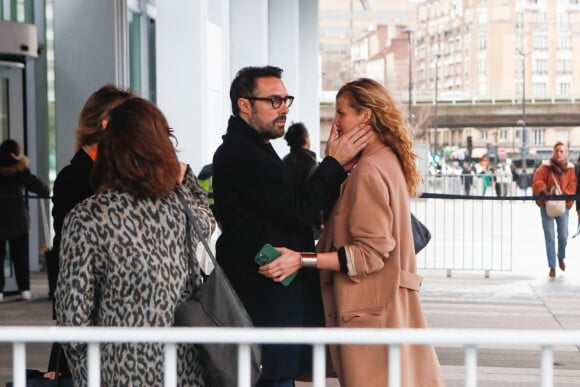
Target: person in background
[(366, 253), (524, 181), (484, 173), (559, 169), (301, 161), (256, 202), (503, 176), (72, 183), (467, 176), (131, 268), (15, 179), (577, 173), (205, 178)]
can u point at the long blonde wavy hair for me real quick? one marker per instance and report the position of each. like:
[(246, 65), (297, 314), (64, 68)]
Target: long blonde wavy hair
[(387, 120)]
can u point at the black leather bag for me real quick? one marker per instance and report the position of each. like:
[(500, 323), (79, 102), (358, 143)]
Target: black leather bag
[(35, 378), (216, 304), (421, 234)]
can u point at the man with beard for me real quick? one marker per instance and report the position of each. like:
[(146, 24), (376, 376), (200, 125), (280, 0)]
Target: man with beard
[(256, 202)]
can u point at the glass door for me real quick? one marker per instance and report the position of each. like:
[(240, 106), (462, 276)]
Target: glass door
[(11, 126)]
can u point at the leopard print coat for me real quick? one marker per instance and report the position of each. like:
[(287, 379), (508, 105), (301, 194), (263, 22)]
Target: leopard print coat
[(124, 263)]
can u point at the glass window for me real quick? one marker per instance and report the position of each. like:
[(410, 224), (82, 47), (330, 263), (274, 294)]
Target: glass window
[(151, 61), (540, 89), (503, 134), (564, 42), (537, 137), (3, 109), (142, 50), (135, 51), (565, 88), (19, 10), (540, 66), (482, 42), (540, 42), (564, 66)]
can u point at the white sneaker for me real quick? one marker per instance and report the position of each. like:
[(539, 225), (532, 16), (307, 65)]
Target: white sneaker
[(25, 295)]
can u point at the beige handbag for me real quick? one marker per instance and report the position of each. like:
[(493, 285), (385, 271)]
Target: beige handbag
[(555, 208)]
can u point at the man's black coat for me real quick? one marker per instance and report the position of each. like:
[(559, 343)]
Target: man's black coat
[(257, 203)]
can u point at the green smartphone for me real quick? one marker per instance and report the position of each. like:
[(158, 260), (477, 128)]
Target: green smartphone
[(266, 255)]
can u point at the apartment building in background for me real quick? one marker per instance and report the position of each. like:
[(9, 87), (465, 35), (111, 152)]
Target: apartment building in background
[(443, 51)]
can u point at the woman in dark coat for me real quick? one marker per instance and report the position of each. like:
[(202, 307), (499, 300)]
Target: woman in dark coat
[(72, 182), (301, 162), (15, 177)]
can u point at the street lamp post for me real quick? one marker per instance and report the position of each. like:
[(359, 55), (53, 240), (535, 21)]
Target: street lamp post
[(409, 31), (435, 123), (523, 120)]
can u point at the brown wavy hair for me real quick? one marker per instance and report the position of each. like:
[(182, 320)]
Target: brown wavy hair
[(95, 110), (388, 121), (136, 152)]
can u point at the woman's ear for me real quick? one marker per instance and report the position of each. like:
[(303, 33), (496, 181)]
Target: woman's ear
[(366, 115)]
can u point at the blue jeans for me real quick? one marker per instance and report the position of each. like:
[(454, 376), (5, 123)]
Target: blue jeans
[(562, 227)]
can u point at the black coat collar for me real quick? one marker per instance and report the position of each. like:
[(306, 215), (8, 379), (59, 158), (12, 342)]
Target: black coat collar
[(236, 125)]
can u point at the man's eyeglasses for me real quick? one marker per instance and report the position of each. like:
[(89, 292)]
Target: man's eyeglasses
[(275, 100)]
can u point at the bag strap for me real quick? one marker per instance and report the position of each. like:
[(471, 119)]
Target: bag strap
[(556, 182), (195, 225)]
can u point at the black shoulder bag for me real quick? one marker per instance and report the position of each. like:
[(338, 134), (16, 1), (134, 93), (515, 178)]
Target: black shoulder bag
[(216, 304), (421, 234)]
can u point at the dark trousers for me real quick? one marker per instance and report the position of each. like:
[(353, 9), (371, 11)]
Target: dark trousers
[(274, 383), (19, 257)]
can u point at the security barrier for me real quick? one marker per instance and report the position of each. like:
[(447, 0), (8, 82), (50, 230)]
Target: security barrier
[(468, 339)]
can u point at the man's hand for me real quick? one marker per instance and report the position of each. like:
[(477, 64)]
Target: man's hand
[(282, 267), (346, 147)]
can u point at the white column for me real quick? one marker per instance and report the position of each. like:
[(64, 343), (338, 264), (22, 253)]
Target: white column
[(284, 45), (182, 75), (294, 47), (309, 76), (248, 34), (83, 62), (218, 65)]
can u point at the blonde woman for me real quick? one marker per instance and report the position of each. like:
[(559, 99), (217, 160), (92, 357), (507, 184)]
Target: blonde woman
[(365, 253)]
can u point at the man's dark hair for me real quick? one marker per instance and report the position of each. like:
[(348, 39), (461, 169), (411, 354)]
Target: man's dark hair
[(244, 84), (296, 135)]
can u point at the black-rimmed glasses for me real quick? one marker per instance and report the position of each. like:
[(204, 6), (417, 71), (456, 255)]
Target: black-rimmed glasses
[(275, 100)]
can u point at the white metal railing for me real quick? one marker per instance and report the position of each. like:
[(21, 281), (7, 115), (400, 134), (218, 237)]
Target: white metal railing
[(469, 339)]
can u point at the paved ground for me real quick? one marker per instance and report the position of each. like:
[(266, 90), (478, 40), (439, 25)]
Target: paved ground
[(524, 298), (466, 300)]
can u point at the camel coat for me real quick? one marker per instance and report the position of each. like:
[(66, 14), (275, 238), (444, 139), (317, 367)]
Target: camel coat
[(371, 219)]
